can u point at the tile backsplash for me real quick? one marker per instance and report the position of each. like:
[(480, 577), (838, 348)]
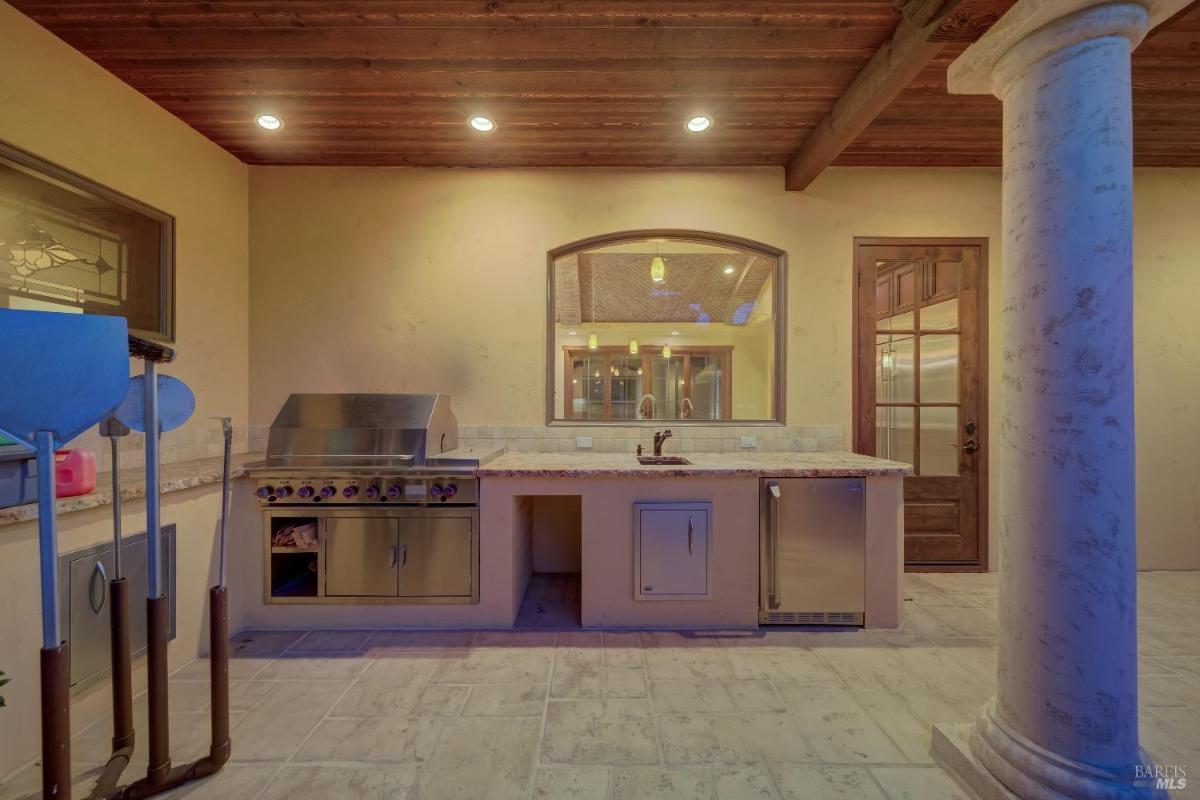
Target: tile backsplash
[(198, 439), (685, 438), (204, 441)]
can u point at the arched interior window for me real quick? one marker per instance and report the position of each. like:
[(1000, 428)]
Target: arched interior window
[(665, 326)]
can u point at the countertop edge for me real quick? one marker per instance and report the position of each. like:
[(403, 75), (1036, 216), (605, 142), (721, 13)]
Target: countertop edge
[(176, 477), (692, 472)]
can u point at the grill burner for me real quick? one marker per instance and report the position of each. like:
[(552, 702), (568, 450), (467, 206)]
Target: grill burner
[(380, 449)]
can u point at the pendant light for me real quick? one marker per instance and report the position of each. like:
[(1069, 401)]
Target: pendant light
[(593, 341), (633, 347), (666, 353), (658, 267)]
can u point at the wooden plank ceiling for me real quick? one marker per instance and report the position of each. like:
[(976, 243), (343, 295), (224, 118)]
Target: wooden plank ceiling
[(573, 83)]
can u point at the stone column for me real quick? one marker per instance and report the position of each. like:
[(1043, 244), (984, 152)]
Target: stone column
[(1064, 720)]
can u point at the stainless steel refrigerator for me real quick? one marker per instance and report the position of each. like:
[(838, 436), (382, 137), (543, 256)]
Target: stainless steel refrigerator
[(812, 552)]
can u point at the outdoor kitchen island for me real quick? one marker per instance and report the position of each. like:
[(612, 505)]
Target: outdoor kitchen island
[(720, 497), (718, 502)]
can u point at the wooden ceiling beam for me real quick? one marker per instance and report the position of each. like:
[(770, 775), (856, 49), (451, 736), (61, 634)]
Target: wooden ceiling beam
[(924, 29)]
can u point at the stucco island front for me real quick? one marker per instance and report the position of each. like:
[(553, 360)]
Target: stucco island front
[(609, 485)]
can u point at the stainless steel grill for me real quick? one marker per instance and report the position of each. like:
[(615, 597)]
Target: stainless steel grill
[(397, 449), (369, 499)]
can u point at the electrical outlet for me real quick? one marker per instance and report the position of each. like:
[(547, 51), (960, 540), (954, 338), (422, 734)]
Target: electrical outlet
[(583, 443), (749, 443)]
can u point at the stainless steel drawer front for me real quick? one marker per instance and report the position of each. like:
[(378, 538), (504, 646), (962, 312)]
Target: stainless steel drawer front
[(84, 598)]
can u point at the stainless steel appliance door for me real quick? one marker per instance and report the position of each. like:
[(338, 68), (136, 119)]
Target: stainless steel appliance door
[(813, 550), (436, 555), (361, 556)]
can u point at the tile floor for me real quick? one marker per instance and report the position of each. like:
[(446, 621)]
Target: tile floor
[(528, 714)]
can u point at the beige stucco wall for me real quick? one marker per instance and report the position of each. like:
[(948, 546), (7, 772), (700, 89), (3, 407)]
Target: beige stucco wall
[(63, 107), (434, 280)]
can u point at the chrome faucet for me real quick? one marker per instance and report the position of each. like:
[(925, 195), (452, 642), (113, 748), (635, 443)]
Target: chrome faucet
[(659, 438)]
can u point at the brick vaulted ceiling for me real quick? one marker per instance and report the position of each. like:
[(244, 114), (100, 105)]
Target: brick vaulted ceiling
[(573, 83)]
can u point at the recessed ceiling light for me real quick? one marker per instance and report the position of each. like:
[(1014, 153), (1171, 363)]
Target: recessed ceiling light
[(699, 124), (570, 333), (674, 333), (482, 124), (729, 269), (269, 122)]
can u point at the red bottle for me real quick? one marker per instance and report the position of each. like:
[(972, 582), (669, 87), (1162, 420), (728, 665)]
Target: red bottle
[(74, 472)]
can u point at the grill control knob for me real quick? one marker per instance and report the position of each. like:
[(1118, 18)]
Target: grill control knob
[(328, 491), (371, 492), (450, 490), (305, 492), (394, 490), (435, 490), (283, 491), (349, 491), (265, 491)]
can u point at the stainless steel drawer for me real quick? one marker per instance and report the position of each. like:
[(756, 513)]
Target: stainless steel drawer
[(83, 577)]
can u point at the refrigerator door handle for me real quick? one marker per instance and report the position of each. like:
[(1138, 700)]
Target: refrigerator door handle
[(773, 496)]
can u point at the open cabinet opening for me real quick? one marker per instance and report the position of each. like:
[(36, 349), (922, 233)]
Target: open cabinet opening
[(550, 531)]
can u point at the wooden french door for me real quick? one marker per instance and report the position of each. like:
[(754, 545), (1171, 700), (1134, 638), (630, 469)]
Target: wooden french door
[(921, 387)]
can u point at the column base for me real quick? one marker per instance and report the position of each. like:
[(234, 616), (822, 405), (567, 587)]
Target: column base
[(997, 764)]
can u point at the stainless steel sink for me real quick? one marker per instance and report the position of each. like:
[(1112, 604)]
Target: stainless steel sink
[(663, 460)]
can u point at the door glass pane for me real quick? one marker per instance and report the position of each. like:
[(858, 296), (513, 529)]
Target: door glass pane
[(940, 316), (894, 368), (897, 322), (667, 386), (939, 441), (627, 386), (894, 433), (939, 368), (706, 387)]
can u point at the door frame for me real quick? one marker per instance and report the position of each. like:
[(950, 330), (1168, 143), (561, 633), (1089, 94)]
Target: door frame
[(856, 360)]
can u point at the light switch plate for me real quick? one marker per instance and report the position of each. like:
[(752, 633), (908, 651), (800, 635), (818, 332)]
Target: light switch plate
[(749, 443), (583, 443)]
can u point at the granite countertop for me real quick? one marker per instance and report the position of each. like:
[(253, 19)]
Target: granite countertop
[(173, 478), (704, 465)]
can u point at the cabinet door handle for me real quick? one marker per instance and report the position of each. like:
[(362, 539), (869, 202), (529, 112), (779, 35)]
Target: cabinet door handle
[(403, 555), (691, 530), (392, 556), (773, 495), (98, 571)]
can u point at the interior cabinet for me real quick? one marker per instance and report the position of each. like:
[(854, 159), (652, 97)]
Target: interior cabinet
[(673, 551), (378, 556)]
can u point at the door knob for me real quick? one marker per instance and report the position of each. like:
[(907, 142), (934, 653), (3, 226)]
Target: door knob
[(971, 446)]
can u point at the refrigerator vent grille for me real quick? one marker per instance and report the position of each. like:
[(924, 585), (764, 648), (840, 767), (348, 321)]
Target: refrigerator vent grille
[(814, 618)]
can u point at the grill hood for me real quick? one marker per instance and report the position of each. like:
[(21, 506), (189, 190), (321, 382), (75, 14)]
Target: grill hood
[(362, 430)]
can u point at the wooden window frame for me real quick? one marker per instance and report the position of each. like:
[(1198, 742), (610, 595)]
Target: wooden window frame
[(166, 222), (647, 353)]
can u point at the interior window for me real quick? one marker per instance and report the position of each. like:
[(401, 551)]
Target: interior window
[(675, 326), (67, 244)]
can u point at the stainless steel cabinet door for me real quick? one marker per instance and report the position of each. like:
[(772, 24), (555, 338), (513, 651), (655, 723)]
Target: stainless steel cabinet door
[(672, 551), (361, 557), (435, 556), (814, 546)]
